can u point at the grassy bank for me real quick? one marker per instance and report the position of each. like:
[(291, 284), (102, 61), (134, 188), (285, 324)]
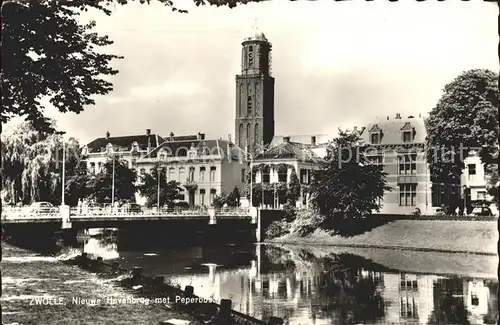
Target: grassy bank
[(478, 237), (26, 276)]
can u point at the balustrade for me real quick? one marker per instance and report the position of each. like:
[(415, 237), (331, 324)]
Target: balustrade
[(13, 213)]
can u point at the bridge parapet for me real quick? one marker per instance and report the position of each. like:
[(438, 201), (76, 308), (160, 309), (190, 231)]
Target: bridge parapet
[(65, 213)]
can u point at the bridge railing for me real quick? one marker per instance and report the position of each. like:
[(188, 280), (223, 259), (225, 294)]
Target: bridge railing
[(29, 212), (126, 212), (237, 211)]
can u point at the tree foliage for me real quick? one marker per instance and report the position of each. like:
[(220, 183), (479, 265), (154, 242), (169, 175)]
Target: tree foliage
[(32, 164), (347, 188), (231, 199), (48, 54), (100, 185), (465, 118), (169, 191)]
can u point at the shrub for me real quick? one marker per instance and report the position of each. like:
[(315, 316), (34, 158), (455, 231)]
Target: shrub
[(277, 229)]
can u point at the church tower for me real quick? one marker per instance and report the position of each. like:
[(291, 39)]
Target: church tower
[(254, 123)]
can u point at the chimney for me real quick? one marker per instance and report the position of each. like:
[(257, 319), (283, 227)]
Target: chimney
[(201, 136), (107, 134), (171, 136), (411, 116), (387, 118), (229, 137), (419, 115), (286, 139), (148, 134), (313, 140), (398, 116)]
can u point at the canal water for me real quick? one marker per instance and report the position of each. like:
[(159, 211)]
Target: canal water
[(324, 286)]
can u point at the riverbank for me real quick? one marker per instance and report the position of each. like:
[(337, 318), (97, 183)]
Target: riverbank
[(27, 277), (472, 237)]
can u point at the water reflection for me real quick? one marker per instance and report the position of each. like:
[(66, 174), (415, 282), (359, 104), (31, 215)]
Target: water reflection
[(307, 288)]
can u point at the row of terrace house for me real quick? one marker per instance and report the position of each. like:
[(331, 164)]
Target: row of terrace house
[(204, 168)]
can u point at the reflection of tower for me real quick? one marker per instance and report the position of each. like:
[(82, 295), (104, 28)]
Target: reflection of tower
[(258, 281), (254, 123)]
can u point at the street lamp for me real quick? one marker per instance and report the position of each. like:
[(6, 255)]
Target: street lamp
[(158, 198), (465, 200), (61, 133)]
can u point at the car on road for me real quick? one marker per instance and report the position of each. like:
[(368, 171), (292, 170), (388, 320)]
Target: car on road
[(131, 208), (42, 207), (482, 212)]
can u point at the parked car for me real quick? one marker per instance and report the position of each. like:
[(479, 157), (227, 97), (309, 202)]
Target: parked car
[(181, 205), (41, 207), (439, 212), (132, 207), (482, 212)]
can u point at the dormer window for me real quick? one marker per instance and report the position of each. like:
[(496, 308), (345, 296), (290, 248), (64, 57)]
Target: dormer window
[(135, 147), (109, 148), (375, 135), (407, 133), (162, 155)]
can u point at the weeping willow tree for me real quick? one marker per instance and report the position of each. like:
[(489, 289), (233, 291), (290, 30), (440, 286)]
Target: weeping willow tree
[(32, 164)]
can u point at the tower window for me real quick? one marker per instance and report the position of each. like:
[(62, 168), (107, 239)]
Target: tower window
[(249, 105), (248, 134), (250, 48)]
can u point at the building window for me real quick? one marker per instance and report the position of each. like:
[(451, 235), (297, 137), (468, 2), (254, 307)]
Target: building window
[(375, 160), (182, 174), (481, 195), (472, 171), (407, 136), (248, 134), (474, 300), (243, 175), (407, 164), (162, 155), (407, 195), (202, 175), (249, 105), (212, 174), (266, 175), (191, 174), (213, 192), (256, 134), (282, 174), (99, 167), (171, 172), (92, 167), (202, 196), (375, 138), (241, 137), (143, 171), (304, 176)]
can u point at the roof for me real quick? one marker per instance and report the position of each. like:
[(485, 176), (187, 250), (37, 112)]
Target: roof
[(124, 143), (391, 130), (321, 139), (180, 148), (290, 150)]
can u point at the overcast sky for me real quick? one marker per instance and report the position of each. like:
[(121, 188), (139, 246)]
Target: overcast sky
[(336, 64)]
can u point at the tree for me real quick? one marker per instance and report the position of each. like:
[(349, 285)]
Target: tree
[(464, 119), (32, 164), (293, 191), (101, 185), (230, 199), (347, 188), (48, 54), (169, 191)]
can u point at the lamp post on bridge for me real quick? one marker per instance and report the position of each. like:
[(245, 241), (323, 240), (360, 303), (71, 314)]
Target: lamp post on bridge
[(63, 176)]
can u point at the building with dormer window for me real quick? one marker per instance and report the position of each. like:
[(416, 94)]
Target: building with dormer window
[(129, 148), (399, 145), (204, 168)]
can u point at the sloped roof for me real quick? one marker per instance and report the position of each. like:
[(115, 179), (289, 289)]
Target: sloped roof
[(180, 148), (303, 139), (287, 150), (391, 130), (124, 143)]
